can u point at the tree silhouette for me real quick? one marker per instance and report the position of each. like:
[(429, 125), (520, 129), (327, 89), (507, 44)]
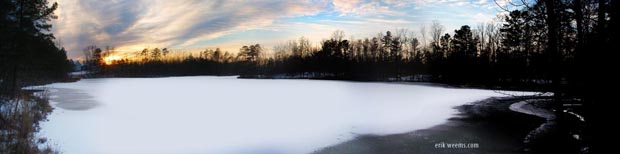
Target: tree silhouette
[(217, 55), (155, 54), (516, 52), (28, 53), (28, 56)]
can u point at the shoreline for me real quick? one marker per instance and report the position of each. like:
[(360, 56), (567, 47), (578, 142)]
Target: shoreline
[(411, 80), (401, 107), (489, 124)]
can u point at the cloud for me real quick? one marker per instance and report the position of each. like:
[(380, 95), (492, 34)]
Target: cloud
[(130, 25), (134, 24), (365, 8), (345, 6)]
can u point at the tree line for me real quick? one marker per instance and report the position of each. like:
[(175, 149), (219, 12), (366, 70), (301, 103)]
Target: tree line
[(29, 53), (541, 45)]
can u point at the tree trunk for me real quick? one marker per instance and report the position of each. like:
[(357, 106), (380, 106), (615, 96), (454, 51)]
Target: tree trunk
[(553, 52), (578, 8)]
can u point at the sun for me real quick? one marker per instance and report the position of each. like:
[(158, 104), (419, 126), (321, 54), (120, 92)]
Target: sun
[(109, 60)]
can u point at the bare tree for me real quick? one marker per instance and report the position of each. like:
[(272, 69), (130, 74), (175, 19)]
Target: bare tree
[(281, 51), (480, 30), (304, 46), (293, 46), (338, 35), (436, 32), (88, 53), (493, 39), (423, 33), (413, 45)]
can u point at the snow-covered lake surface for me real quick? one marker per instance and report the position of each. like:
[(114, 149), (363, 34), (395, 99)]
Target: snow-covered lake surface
[(228, 115)]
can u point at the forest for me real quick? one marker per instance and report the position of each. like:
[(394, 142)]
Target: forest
[(28, 52), (29, 55), (560, 46), (530, 48)]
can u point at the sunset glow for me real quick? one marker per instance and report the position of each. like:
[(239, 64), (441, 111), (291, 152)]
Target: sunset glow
[(132, 25), (109, 60), (305, 76)]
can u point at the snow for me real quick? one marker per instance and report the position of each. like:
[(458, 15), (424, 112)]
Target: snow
[(576, 115), (78, 73), (227, 115), (526, 108)]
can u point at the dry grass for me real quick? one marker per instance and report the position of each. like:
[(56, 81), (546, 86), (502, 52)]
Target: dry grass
[(19, 122)]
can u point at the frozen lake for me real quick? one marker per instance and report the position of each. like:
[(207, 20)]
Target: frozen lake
[(228, 115)]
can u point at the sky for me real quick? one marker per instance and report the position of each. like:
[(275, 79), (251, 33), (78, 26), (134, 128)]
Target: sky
[(192, 25)]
